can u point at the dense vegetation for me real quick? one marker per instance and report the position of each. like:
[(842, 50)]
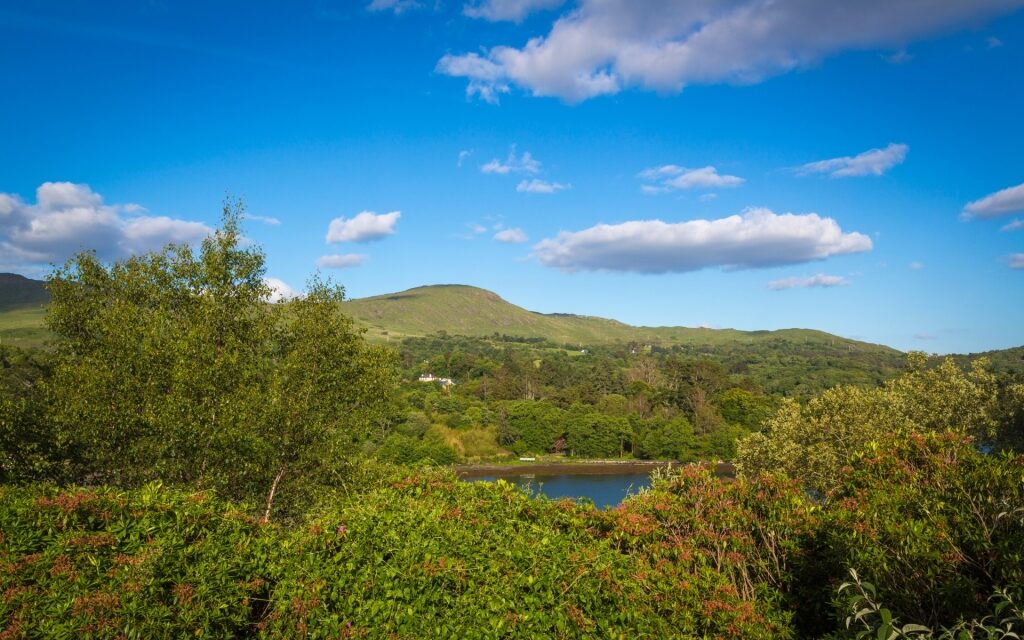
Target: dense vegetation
[(189, 460)]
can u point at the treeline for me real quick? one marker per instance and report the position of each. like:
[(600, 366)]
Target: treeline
[(530, 397), (544, 400)]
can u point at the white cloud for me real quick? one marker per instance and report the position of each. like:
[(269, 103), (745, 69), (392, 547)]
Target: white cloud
[(340, 260), (819, 280), (512, 10), (264, 219), (541, 186), (69, 217), (707, 197), (756, 238), (605, 46), (522, 164), (916, 266), (993, 42), (1015, 225), (364, 227), (873, 162), (924, 335), (511, 236), (395, 6), (670, 177), (280, 291), (485, 77), (465, 153), (1009, 200), (1016, 261)]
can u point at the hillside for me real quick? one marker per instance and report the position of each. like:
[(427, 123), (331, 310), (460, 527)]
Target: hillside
[(17, 292), (469, 311), (22, 302)]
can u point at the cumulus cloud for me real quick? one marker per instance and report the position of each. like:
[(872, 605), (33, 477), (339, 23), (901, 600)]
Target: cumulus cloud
[(340, 260), (364, 227), (1016, 261), (513, 164), (511, 10), (511, 236), (819, 280), (756, 238), (280, 291), (1015, 225), (541, 186), (670, 177), (605, 46), (1000, 203), (69, 217), (398, 7), (873, 162)]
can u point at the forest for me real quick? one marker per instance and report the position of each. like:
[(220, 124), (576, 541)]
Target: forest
[(185, 458)]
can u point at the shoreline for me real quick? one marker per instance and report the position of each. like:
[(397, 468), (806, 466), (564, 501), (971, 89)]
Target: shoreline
[(580, 467)]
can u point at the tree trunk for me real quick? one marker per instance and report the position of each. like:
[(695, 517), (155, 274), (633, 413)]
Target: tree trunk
[(270, 496)]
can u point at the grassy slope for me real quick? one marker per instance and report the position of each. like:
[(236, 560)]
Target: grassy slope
[(21, 310), (470, 311)]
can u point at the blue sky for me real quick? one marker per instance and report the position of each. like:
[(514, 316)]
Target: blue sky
[(850, 167)]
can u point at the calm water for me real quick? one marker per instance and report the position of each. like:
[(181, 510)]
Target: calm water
[(605, 490)]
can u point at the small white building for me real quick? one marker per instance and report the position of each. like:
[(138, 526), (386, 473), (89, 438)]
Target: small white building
[(429, 377)]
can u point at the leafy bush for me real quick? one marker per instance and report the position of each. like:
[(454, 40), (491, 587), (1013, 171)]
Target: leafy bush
[(935, 524), (419, 555), (813, 442)]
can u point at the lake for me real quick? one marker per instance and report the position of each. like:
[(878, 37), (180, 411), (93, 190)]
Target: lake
[(605, 484)]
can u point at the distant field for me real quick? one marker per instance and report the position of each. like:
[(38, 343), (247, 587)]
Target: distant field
[(23, 327)]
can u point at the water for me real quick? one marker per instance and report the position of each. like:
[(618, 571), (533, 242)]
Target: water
[(604, 487)]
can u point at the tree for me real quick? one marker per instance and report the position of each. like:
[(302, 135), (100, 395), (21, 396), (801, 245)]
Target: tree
[(813, 442), (174, 366)]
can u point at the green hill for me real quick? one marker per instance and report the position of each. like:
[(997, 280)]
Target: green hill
[(22, 307), (17, 292), (469, 311)]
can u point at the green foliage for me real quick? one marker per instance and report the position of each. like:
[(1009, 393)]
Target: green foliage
[(403, 449), (590, 434), (869, 619), (745, 408), (419, 555), (812, 442), (149, 564), (666, 440), (172, 366), (936, 524), (530, 427)]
